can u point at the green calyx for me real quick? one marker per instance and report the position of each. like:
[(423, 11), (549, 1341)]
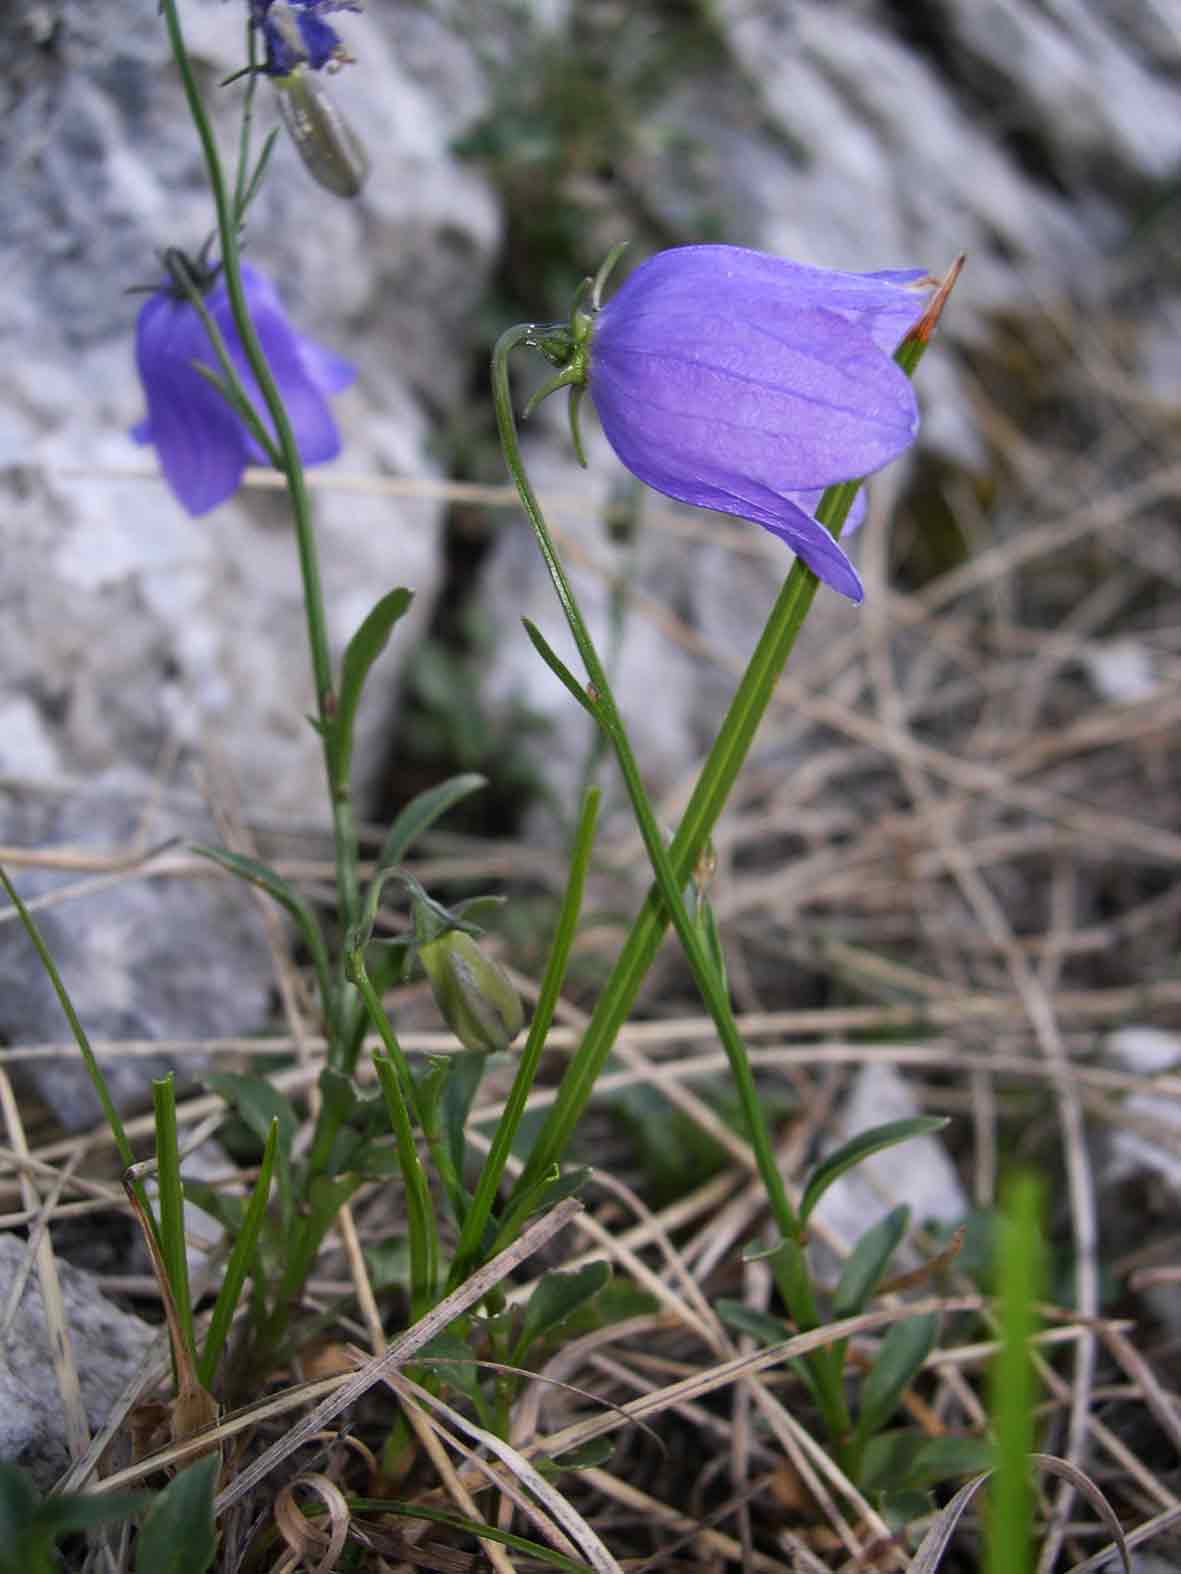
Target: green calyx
[(567, 346)]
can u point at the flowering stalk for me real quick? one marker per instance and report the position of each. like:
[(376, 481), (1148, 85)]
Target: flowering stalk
[(718, 775), (674, 865), (338, 1009), (789, 1258)]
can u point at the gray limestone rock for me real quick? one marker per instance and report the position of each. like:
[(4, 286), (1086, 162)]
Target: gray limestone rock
[(1038, 139), (107, 1345), (142, 958), (128, 629), (126, 624)]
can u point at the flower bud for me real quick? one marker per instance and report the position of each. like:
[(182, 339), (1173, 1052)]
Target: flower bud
[(472, 992)]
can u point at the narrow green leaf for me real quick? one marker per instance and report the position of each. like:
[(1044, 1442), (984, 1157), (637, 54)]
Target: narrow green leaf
[(473, 1527), (552, 1188), (178, 1535), (587, 1456), (867, 1263), (19, 1502), (451, 1357), (860, 1147), (362, 651), (459, 1094), (63, 1514), (420, 1215), (558, 1296), (339, 1105), (558, 667), (242, 1256), (171, 1200), (902, 1352), (706, 923), (375, 1159), (288, 897), (327, 1195), (1021, 1268), (421, 813), (906, 1457), (429, 1082), (746, 1320), (509, 1126), (338, 1094)]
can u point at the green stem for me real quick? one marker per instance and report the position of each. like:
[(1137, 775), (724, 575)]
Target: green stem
[(170, 1195), (467, 1252), (393, 1073), (672, 866), (344, 828), (801, 1303)]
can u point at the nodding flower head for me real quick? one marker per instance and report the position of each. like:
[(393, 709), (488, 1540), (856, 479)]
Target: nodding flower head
[(742, 382), (202, 443), (296, 34)]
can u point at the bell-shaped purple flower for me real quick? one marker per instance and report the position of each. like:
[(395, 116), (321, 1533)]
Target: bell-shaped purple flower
[(295, 33), (734, 380), (202, 443)]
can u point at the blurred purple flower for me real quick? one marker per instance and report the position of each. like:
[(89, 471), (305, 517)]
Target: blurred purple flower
[(738, 381), (203, 445), (295, 34)]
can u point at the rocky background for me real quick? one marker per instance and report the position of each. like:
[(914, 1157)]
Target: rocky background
[(143, 654), (511, 146)]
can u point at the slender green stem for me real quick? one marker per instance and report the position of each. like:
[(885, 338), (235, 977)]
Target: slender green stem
[(670, 877), (1013, 1387), (170, 1193), (344, 828), (393, 1074), (242, 176), (467, 1252), (635, 958), (717, 778), (801, 1303), (241, 1259)]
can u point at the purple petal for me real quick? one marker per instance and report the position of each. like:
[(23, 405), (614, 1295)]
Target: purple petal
[(329, 371), (199, 440), (795, 400), (747, 383), (890, 297), (312, 424), (202, 444)]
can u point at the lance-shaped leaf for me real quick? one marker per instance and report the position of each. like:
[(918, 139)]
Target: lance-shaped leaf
[(860, 1147), (558, 1296), (421, 813), (362, 651), (903, 1351), (178, 1535)]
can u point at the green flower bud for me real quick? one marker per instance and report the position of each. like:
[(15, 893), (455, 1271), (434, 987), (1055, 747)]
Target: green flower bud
[(473, 993)]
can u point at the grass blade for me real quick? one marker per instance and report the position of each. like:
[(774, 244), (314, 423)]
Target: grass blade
[(241, 1257), (171, 1199)]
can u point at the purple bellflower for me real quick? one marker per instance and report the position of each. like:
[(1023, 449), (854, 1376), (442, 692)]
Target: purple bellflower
[(742, 382), (297, 44), (202, 443), (295, 33)]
